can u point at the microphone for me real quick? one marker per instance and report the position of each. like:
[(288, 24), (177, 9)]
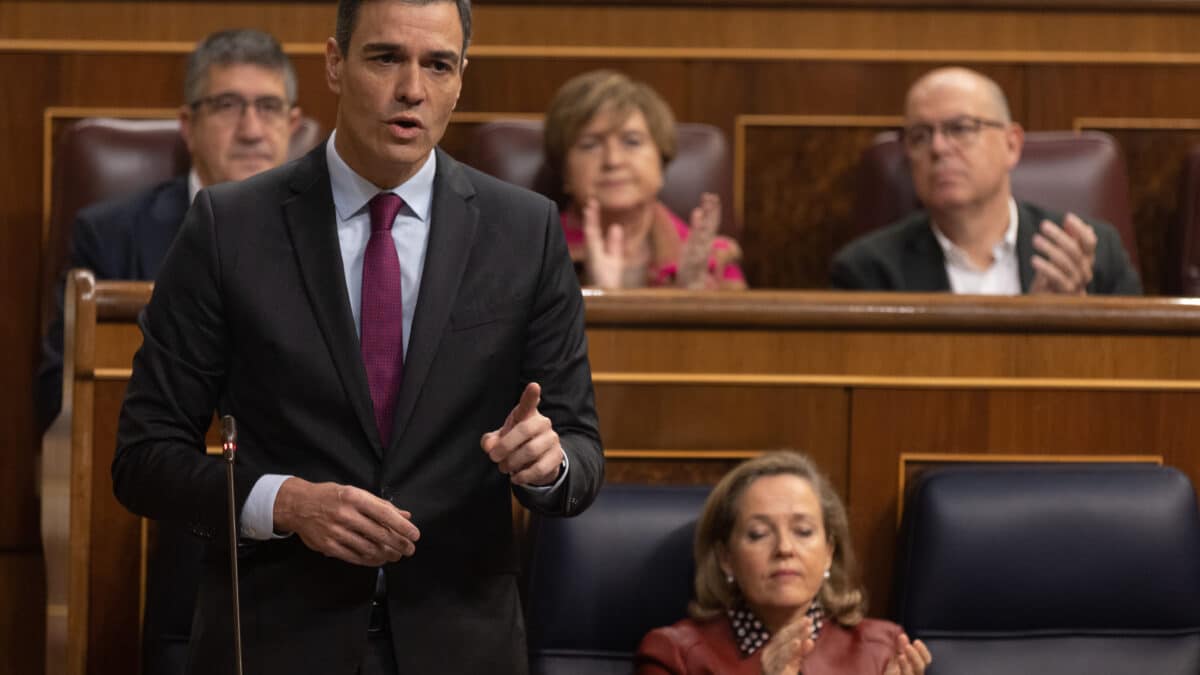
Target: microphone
[(228, 450)]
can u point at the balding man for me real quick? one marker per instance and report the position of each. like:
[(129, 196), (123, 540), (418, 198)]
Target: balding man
[(973, 237)]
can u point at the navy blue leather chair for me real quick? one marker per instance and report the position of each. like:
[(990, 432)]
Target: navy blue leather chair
[(600, 581), (1070, 569)]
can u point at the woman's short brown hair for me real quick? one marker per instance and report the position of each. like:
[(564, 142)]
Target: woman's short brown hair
[(841, 595), (584, 96)]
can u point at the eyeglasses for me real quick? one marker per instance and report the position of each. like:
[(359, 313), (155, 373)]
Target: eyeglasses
[(960, 131), (230, 107)]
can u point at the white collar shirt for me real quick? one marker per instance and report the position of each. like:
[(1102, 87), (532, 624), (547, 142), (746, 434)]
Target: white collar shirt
[(1002, 277)]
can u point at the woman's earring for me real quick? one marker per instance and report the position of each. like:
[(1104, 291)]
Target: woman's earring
[(729, 579), (826, 575)]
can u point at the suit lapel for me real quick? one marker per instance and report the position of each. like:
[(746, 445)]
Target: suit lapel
[(311, 222), (452, 223), (1026, 225), (928, 271)]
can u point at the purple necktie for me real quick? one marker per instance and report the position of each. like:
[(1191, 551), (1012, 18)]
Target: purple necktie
[(382, 329)]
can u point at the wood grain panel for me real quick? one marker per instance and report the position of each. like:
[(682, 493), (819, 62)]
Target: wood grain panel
[(957, 28), (812, 420), (116, 557), (19, 270), (1155, 156), (666, 472), (22, 612), (790, 238), (887, 423)]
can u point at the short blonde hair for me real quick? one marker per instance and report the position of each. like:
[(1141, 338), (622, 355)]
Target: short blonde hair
[(841, 595), (584, 96)]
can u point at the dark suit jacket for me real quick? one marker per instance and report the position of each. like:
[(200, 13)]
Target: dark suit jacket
[(124, 238), (905, 256), (250, 316)]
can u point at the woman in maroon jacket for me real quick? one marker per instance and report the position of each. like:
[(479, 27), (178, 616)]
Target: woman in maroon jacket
[(776, 592)]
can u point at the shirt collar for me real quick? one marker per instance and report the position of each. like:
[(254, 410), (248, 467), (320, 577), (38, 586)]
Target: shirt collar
[(751, 634), (1006, 246), (194, 185), (351, 192)]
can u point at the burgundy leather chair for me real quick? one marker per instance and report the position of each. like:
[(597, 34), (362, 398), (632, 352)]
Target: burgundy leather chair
[(99, 158), (1061, 170), (511, 150)]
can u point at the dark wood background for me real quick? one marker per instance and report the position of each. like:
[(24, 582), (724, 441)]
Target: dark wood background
[(806, 82)]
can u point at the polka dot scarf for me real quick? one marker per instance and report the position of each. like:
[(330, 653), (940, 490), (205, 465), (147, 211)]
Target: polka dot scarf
[(751, 634)]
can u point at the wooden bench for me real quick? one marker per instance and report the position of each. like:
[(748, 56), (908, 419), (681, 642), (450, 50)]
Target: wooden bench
[(871, 385)]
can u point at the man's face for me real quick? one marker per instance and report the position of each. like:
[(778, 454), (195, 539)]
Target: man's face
[(396, 85), (968, 166), (241, 125)]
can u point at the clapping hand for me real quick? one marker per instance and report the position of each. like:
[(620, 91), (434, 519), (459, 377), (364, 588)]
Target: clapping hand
[(1065, 257), (605, 250), (911, 658), (693, 262), (787, 649)]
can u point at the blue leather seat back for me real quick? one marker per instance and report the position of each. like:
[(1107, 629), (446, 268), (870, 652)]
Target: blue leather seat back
[(597, 583), (1063, 568)]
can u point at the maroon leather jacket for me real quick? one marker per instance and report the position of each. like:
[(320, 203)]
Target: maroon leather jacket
[(692, 647)]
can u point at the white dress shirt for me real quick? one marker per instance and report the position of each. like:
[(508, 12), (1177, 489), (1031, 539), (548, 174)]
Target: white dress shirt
[(1002, 277)]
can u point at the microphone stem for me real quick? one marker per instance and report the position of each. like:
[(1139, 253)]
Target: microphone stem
[(233, 565)]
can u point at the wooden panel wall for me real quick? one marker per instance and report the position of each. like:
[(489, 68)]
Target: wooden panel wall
[(1088, 68)]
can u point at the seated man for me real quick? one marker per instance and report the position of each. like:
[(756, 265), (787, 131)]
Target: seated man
[(240, 93), (973, 236), (240, 90)]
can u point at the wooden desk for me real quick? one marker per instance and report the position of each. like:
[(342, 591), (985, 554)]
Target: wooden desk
[(689, 384)]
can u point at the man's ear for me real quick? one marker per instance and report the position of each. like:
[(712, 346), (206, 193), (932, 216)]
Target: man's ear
[(185, 125), (1015, 138), (333, 66), (293, 120)]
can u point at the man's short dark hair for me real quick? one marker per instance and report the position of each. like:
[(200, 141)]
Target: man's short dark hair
[(347, 17), (242, 46)]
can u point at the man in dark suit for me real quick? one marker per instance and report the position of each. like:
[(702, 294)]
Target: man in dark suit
[(127, 237), (973, 237), (401, 341), (240, 93)]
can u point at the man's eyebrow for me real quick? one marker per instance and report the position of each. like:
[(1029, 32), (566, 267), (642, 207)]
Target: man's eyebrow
[(444, 55), (382, 47)]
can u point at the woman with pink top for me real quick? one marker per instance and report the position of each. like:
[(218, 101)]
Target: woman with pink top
[(608, 139)]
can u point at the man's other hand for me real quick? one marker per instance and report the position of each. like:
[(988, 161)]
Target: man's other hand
[(525, 447), (345, 522), (1065, 257)]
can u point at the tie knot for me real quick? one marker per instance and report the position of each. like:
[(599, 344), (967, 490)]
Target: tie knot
[(384, 207)]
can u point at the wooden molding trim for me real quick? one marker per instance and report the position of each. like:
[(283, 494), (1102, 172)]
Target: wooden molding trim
[(663, 53), (814, 310), (485, 117), (987, 458), (742, 122), (1146, 123), (893, 382), (682, 454), (835, 381)]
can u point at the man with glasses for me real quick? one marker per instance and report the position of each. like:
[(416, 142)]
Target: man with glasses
[(973, 237), (240, 113)]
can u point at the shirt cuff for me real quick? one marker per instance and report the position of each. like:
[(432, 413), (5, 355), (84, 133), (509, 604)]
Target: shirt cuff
[(562, 475), (258, 513)]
